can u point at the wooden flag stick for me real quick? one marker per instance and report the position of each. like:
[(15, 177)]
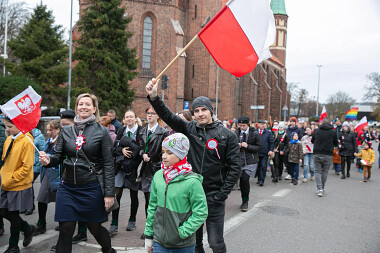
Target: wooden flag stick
[(32, 143), (175, 58)]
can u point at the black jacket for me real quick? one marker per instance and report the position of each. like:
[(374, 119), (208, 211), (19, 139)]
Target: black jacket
[(154, 150), (281, 142), (295, 129), (123, 163), (219, 174), (267, 142), (98, 149), (251, 155), (347, 142), (324, 139)]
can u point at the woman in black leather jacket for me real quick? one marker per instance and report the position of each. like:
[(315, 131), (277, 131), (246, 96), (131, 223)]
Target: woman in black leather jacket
[(80, 196)]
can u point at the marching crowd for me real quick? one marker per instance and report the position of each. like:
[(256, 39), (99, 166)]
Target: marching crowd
[(185, 163)]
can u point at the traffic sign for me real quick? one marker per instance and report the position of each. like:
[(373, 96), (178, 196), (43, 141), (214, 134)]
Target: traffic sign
[(186, 105), (259, 107)]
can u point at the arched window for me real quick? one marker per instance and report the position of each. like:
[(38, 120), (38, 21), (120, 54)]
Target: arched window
[(147, 43)]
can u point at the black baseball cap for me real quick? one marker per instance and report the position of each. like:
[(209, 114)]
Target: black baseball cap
[(68, 114)]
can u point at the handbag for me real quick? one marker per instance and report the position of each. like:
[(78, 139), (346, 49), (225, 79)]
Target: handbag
[(99, 176)]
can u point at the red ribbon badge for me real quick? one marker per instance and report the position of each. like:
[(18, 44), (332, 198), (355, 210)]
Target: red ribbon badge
[(79, 141), (213, 144)]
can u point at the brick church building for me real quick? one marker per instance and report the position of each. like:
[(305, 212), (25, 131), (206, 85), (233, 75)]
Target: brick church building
[(161, 28)]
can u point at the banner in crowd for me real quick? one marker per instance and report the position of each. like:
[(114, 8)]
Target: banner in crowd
[(24, 110), (362, 123), (323, 114), (239, 36), (352, 114)]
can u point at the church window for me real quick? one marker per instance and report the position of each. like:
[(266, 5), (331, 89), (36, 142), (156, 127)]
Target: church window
[(147, 43)]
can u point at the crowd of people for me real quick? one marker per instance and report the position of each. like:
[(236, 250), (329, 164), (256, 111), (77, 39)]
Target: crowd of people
[(186, 164)]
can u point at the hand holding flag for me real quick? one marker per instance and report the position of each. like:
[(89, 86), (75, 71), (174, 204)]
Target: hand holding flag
[(151, 88)]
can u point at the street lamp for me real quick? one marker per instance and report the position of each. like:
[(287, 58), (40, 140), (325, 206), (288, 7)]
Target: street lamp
[(70, 52), (5, 36), (319, 77)]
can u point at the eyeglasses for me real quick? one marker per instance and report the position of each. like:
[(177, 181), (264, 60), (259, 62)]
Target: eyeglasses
[(151, 113)]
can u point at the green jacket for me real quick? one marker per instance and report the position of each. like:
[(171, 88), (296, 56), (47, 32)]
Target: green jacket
[(176, 210)]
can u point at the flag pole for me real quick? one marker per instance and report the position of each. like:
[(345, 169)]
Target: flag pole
[(175, 58), (32, 143)]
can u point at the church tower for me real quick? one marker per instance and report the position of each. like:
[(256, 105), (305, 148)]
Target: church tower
[(281, 18)]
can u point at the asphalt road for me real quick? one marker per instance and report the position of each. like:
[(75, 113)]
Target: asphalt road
[(282, 218)]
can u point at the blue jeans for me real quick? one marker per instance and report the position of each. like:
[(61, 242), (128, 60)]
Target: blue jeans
[(262, 169), (157, 248), (214, 227), (294, 170), (336, 167), (308, 164)]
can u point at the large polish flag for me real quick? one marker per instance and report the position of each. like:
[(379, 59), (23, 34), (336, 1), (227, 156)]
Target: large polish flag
[(360, 126), (239, 35), (323, 114), (24, 110)]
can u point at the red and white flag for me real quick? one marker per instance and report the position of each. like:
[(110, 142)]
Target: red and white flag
[(24, 110), (323, 115), (362, 123), (239, 35)]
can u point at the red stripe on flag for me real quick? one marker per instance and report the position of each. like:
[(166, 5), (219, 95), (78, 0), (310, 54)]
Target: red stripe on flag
[(228, 44), (26, 123)]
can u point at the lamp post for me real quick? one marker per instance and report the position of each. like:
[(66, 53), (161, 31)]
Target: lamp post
[(5, 36), (319, 77), (70, 52)]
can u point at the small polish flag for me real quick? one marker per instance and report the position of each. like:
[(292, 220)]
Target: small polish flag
[(362, 123), (24, 110), (239, 35), (364, 162), (323, 115), (275, 128)]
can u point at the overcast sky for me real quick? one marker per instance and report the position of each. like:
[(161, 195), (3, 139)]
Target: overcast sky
[(341, 35)]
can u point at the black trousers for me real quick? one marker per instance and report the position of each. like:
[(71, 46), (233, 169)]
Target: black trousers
[(278, 165), (245, 187), (345, 160)]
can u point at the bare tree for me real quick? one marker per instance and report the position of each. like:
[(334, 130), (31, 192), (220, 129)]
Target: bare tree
[(301, 100), (373, 88), (18, 15), (338, 104)]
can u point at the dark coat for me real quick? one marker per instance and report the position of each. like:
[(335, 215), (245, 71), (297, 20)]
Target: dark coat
[(294, 152), (347, 142), (220, 173), (295, 129), (267, 142), (97, 147), (2, 138), (154, 150), (123, 163), (281, 142), (117, 124), (251, 155), (324, 139)]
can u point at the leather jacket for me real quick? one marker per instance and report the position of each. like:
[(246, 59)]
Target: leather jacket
[(98, 149), (154, 151), (251, 155), (220, 168)]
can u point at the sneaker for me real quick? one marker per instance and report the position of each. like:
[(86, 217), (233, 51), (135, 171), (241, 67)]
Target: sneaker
[(12, 249), (312, 178), (295, 182), (320, 193), (28, 235), (361, 171), (244, 206), (28, 212), (40, 230), (365, 179), (113, 230), (288, 177), (261, 183), (343, 177), (304, 180), (53, 248), (131, 225), (2, 231), (80, 237)]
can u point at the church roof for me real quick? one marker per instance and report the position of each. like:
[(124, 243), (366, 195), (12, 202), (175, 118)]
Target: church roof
[(278, 7)]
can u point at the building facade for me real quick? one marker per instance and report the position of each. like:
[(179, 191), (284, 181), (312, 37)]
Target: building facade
[(161, 28)]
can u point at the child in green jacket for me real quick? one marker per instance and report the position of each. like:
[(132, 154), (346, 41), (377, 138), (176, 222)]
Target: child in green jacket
[(177, 205)]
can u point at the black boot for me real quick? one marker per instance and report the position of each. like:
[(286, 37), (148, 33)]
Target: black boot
[(343, 173), (348, 173), (12, 249), (28, 235), (111, 250)]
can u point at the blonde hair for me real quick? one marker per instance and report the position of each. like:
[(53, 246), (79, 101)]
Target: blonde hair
[(95, 103)]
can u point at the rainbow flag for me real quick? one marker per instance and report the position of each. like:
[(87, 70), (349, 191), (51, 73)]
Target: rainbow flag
[(352, 113)]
